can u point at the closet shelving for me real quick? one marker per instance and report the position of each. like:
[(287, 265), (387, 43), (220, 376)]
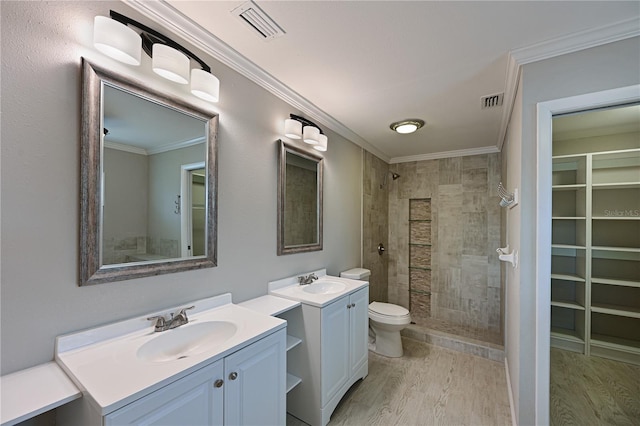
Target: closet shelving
[(595, 264)]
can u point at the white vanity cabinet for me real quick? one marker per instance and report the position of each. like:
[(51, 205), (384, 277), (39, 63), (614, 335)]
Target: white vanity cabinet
[(332, 357), (247, 387)]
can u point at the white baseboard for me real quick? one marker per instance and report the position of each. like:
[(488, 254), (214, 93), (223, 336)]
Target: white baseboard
[(512, 405)]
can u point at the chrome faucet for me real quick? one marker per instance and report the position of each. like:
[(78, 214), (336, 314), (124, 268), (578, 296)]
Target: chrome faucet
[(302, 280), (176, 320)]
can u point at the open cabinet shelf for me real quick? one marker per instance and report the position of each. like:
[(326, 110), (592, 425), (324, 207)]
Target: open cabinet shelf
[(595, 254)]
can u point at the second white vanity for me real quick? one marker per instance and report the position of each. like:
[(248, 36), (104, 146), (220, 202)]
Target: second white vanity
[(333, 355), (226, 366)]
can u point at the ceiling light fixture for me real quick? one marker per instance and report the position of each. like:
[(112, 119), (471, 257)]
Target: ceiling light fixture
[(296, 127), (407, 126), (116, 39)]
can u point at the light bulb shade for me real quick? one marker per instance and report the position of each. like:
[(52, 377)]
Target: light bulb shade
[(170, 63), (407, 126), (310, 135), (116, 40), (322, 143), (292, 128), (205, 85)]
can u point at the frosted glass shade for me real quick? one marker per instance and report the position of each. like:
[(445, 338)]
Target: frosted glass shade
[(116, 40), (205, 85), (310, 135), (292, 128), (170, 63), (322, 143), (406, 128)]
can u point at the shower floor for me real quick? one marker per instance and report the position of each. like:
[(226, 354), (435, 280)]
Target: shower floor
[(461, 330)]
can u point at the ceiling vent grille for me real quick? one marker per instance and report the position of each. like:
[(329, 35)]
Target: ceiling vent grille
[(261, 23), (492, 101)]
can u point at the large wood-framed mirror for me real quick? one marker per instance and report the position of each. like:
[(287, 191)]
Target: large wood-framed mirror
[(299, 200), (148, 181)]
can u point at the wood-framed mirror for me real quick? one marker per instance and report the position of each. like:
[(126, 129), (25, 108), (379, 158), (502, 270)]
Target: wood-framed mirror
[(300, 214), (148, 181)]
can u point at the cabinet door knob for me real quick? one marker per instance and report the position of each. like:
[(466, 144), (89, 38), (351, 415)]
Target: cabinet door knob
[(233, 376), (348, 306), (353, 305), (218, 383)]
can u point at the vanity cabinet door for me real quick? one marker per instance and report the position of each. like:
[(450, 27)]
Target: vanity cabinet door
[(255, 383), (334, 347), (359, 329), (192, 400)]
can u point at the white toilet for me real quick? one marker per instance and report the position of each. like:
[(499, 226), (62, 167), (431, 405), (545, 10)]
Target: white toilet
[(386, 320)]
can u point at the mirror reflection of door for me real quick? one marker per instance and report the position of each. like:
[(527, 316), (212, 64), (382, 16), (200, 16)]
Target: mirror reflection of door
[(193, 209)]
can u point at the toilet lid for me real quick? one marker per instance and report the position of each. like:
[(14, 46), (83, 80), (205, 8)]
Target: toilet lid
[(388, 309)]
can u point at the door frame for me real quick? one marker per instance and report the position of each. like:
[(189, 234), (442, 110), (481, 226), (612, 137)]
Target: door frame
[(545, 112), (185, 207)]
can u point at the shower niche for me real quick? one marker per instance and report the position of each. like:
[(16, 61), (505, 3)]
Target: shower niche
[(420, 259)]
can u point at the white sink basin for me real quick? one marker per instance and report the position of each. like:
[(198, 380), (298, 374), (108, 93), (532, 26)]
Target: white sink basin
[(324, 287), (187, 340)]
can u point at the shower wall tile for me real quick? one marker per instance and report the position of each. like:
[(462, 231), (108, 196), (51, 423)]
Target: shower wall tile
[(465, 278), (475, 180), (375, 206), (475, 234), (420, 307), (450, 171), (420, 232)]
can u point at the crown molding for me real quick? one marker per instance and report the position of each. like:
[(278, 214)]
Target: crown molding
[(446, 154), (574, 42), (176, 22)]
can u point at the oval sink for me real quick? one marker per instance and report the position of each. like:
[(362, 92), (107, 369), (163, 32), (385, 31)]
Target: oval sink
[(190, 339), (324, 287)]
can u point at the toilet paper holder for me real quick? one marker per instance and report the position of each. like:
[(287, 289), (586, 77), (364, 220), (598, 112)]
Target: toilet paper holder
[(505, 256)]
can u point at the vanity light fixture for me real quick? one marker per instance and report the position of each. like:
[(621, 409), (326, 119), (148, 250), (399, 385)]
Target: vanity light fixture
[(115, 38), (407, 126), (297, 127)]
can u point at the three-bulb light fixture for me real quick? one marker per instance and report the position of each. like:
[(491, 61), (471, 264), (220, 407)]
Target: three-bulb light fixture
[(114, 37), (296, 127)]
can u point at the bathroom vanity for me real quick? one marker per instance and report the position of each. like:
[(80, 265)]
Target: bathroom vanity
[(333, 354), (227, 366)]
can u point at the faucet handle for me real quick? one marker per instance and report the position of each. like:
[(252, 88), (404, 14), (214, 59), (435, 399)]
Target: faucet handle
[(183, 311), (160, 322)]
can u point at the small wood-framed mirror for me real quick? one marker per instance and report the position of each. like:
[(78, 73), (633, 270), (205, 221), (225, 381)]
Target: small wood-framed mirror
[(148, 181), (299, 200)]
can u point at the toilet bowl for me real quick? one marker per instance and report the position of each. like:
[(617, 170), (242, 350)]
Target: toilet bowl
[(386, 321)]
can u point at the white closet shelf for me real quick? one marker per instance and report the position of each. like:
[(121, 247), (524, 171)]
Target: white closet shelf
[(617, 185), (567, 246), (572, 187), (618, 310), (567, 277), (609, 281), (566, 334), (568, 218), (571, 304), (625, 249), (616, 218), (611, 342)]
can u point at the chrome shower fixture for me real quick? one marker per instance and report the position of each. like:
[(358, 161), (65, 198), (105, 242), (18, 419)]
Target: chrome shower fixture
[(394, 176), (508, 199)]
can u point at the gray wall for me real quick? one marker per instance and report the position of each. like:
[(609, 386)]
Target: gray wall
[(42, 43), (601, 68)]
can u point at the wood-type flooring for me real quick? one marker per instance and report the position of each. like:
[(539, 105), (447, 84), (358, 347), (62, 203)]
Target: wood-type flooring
[(429, 385), (588, 391)]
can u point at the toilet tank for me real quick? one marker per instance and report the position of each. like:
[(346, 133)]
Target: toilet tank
[(357, 274)]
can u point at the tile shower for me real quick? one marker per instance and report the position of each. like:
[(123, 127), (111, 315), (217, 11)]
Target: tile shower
[(443, 226)]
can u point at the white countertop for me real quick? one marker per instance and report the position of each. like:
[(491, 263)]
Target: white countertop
[(290, 289), (33, 391), (103, 361), (270, 305)]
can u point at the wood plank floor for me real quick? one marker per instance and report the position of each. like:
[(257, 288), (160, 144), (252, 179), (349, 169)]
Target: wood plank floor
[(429, 385), (593, 391)]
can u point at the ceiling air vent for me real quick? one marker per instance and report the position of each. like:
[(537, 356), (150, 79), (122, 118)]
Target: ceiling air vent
[(492, 101), (261, 23)]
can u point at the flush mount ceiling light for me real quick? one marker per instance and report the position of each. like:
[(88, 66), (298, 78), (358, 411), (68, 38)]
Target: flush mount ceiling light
[(116, 39), (407, 126), (296, 127)]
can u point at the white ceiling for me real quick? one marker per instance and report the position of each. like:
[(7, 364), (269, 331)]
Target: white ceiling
[(369, 63)]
